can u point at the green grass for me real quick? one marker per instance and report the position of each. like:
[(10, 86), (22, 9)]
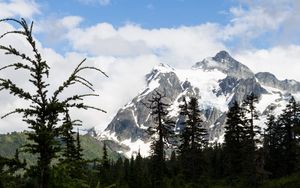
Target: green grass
[(284, 182), (92, 148)]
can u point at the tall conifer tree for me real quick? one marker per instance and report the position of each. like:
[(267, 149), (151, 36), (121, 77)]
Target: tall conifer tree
[(42, 115), (164, 129), (234, 143)]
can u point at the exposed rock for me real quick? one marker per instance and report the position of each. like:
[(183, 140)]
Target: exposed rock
[(216, 82)]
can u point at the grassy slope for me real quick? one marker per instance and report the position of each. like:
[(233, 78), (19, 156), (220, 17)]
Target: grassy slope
[(92, 148)]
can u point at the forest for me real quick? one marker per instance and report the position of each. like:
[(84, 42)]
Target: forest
[(249, 156)]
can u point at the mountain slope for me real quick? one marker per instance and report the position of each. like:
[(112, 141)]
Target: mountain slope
[(216, 82), (92, 148)]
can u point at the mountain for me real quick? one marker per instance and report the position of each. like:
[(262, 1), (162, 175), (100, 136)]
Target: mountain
[(216, 82)]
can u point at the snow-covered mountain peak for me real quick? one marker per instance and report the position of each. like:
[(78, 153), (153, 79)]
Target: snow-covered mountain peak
[(223, 62), (216, 82), (223, 56)]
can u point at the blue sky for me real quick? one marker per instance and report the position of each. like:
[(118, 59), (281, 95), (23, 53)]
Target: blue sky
[(149, 14), (145, 13), (157, 14), (127, 38)]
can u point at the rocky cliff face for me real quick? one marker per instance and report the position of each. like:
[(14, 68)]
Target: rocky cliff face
[(216, 82)]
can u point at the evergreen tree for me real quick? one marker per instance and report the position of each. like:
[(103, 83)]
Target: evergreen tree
[(215, 156), (140, 171), (251, 115), (289, 121), (194, 139), (105, 167), (234, 143), (78, 154), (67, 135), (126, 170), (164, 129), (8, 168), (194, 125), (132, 174), (251, 139), (43, 113), (184, 134), (273, 146)]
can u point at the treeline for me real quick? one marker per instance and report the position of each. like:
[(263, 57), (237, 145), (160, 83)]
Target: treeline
[(249, 157)]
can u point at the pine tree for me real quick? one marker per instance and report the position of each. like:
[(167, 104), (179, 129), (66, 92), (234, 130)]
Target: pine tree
[(78, 154), (198, 133), (184, 134), (289, 121), (251, 115), (67, 135), (164, 128), (105, 168), (193, 140), (273, 146), (234, 143), (132, 174), (42, 115), (251, 139), (126, 170)]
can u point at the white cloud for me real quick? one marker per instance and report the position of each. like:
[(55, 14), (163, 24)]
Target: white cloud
[(22, 8), (181, 46), (253, 19), (70, 22), (55, 29), (283, 61)]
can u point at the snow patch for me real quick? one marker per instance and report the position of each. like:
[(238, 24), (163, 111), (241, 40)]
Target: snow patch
[(135, 147)]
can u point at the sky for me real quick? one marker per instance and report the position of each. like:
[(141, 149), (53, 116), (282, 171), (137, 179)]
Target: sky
[(127, 38)]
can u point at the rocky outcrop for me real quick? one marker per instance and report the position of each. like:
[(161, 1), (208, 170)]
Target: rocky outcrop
[(270, 80)]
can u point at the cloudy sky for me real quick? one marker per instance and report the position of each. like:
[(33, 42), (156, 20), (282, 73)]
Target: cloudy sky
[(127, 38)]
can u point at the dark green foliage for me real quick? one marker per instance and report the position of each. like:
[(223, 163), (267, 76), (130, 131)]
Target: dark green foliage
[(194, 139), (273, 147), (243, 161), (105, 168), (281, 142), (250, 139), (289, 121), (164, 129), (8, 171), (42, 115), (233, 146)]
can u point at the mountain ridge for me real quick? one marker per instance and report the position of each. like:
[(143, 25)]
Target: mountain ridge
[(216, 82)]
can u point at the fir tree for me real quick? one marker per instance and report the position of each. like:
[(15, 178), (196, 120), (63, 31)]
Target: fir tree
[(289, 121), (78, 154), (234, 143), (273, 147), (67, 135), (193, 140), (251, 139), (184, 134), (164, 129), (251, 115), (194, 125), (42, 115), (105, 168)]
